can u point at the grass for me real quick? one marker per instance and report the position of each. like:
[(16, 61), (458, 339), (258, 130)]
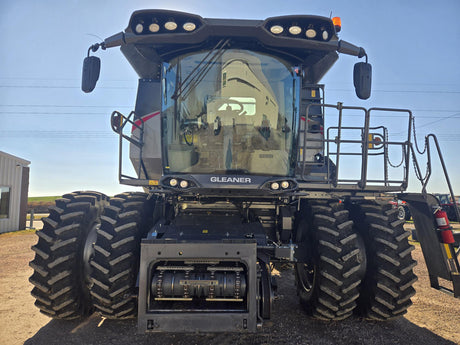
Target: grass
[(43, 198), (41, 203)]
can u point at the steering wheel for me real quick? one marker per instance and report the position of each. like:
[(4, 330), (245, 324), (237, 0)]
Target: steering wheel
[(229, 101)]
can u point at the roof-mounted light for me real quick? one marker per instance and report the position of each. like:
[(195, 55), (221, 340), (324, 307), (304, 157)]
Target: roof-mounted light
[(276, 29), (170, 25), (295, 30), (189, 26), (302, 27), (310, 33), (337, 23), (139, 28), (154, 27), (163, 23)]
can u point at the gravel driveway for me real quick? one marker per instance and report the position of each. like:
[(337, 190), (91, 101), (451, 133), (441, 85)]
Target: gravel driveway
[(433, 319)]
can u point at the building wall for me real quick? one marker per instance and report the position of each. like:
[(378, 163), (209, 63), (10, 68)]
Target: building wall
[(11, 175)]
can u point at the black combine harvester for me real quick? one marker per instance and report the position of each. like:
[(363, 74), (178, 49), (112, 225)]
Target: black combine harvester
[(243, 166)]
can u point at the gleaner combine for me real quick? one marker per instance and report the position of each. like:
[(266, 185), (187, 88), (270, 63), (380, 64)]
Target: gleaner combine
[(243, 166)]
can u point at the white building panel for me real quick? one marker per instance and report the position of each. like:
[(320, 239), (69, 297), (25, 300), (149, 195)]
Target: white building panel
[(11, 169)]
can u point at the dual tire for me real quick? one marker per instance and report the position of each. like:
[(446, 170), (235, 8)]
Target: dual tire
[(116, 255), (328, 279), (61, 277), (86, 258), (388, 283), (359, 260)]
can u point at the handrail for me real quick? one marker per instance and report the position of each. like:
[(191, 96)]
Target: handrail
[(446, 175), (365, 141), (138, 124)]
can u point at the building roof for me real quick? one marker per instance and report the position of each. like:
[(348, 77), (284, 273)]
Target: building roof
[(18, 159)]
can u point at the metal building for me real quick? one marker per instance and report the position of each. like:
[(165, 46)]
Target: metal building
[(14, 188)]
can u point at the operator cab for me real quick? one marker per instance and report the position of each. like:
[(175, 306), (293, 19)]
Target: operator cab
[(221, 102), (233, 116)]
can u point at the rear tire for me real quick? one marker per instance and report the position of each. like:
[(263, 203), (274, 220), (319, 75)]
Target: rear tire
[(116, 254), (60, 265), (327, 283), (387, 288)]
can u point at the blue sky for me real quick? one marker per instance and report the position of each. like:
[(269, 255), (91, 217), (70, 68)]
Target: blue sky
[(45, 118)]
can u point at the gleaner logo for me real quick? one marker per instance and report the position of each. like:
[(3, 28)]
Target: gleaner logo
[(228, 179)]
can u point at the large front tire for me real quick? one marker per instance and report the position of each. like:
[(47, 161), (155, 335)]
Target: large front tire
[(61, 264), (387, 288), (327, 283), (116, 254)]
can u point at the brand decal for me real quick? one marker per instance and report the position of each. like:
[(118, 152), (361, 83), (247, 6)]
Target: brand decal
[(230, 179)]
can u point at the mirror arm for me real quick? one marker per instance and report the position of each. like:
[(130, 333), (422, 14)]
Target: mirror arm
[(95, 47), (345, 47)]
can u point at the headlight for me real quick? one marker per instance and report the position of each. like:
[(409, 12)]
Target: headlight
[(189, 26), (139, 28), (275, 186), (173, 182), (295, 30), (301, 27), (276, 29), (154, 27), (310, 33), (170, 25), (183, 184)]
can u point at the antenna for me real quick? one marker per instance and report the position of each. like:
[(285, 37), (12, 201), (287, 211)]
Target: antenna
[(95, 36)]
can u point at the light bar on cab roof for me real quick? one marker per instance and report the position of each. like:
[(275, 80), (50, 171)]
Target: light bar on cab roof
[(305, 27), (163, 22)]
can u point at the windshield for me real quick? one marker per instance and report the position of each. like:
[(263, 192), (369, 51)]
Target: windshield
[(228, 111)]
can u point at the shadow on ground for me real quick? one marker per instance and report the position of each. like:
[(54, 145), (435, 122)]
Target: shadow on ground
[(305, 331), (289, 325)]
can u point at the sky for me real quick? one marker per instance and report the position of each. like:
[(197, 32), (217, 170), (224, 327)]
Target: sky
[(413, 46)]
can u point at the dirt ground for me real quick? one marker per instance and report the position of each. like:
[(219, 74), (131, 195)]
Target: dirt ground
[(433, 319)]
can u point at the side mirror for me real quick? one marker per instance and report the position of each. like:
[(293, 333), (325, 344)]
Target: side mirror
[(362, 79), (90, 75)]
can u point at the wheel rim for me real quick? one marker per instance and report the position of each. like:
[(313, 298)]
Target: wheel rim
[(307, 276)]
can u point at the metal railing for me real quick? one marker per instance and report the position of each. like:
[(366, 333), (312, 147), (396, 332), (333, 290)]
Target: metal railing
[(371, 141), (324, 171), (119, 122)]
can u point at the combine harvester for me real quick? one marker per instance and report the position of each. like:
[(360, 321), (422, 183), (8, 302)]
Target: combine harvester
[(243, 166)]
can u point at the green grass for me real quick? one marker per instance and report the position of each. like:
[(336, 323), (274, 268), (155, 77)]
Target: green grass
[(42, 198)]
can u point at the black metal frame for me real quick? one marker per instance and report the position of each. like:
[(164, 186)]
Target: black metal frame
[(441, 258), (188, 321), (362, 183)]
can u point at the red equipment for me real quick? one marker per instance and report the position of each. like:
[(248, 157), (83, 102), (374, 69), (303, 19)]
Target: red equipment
[(443, 224)]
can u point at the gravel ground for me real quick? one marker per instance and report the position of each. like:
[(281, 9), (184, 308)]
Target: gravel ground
[(433, 319)]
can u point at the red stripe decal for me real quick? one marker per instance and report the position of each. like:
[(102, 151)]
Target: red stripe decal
[(144, 119)]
